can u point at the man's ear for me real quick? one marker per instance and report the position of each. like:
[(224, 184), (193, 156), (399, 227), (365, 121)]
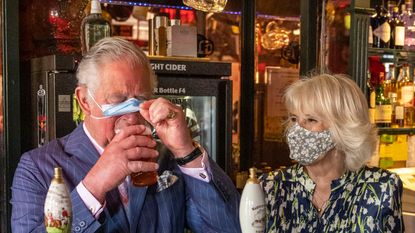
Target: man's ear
[(82, 97)]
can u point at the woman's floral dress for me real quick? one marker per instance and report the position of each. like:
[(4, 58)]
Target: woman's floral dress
[(368, 200)]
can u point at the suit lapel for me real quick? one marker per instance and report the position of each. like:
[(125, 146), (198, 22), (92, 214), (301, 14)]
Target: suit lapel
[(136, 196), (116, 213), (85, 156), (82, 150)]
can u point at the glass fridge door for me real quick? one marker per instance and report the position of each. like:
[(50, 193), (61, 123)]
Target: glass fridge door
[(201, 115), (207, 104)]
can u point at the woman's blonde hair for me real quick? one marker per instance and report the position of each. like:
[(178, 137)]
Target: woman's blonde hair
[(340, 103)]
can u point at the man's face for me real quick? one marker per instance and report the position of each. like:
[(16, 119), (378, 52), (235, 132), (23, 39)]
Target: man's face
[(119, 82)]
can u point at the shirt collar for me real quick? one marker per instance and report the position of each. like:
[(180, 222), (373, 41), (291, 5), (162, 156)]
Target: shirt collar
[(94, 142), (302, 177)]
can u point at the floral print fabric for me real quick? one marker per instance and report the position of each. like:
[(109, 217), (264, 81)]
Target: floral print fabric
[(306, 146), (368, 200)]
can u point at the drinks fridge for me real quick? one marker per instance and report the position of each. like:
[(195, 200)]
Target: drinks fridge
[(205, 94), (50, 100)]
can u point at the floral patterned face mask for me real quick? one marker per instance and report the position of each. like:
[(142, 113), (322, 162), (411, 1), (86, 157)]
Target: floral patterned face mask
[(307, 146)]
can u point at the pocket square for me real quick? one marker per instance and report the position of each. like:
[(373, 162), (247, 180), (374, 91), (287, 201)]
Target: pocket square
[(166, 180)]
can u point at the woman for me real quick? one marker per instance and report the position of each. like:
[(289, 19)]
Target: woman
[(331, 189)]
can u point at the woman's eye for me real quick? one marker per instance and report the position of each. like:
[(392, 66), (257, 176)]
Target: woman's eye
[(311, 120), (293, 119)]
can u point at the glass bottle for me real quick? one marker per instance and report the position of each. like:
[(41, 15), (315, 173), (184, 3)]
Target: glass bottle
[(390, 5), (390, 84), (380, 28), (397, 111), (160, 35), (252, 206), (405, 87), (94, 27), (397, 30), (409, 20), (383, 109), (58, 208), (371, 98), (406, 95)]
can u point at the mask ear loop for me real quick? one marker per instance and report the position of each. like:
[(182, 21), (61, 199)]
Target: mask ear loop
[(99, 118), (95, 117)]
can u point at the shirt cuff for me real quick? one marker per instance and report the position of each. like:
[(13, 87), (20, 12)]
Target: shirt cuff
[(200, 173), (89, 200)]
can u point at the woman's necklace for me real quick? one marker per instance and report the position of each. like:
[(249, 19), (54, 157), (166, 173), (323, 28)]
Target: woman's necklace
[(319, 202)]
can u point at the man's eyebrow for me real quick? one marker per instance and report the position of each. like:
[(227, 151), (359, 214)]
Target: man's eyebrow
[(115, 95), (146, 95), (140, 97)]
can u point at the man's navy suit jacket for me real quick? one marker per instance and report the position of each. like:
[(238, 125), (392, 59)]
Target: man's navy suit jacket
[(189, 202)]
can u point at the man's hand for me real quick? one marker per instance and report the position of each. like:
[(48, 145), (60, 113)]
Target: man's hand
[(169, 121), (124, 155)]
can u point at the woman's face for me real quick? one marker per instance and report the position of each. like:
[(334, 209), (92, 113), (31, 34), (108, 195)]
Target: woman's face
[(309, 121)]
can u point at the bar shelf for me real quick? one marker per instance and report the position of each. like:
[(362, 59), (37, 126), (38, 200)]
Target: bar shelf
[(395, 131)]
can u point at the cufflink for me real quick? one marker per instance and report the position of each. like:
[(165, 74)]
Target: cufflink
[(202, 175)]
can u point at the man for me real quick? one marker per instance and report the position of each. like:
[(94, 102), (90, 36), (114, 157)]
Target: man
[(97, 159)]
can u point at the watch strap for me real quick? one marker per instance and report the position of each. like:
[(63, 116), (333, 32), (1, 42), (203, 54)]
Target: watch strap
[(190, 157)]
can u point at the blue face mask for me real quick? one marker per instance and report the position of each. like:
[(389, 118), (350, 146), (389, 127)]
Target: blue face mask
[(110, 110)]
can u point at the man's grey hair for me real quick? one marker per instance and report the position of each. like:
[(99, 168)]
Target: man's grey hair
[(107, 50)]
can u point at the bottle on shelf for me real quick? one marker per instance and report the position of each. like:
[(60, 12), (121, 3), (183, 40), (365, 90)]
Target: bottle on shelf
[(252, 207), (151, 43), (383, 107), (58, 207), (389, 7), (380, 28), (397, 30), (397, 112), (406, 95), (160, 35), (390, 83), (409, 20), (94, 27), (390, 91), (372, 99), (404, 12)]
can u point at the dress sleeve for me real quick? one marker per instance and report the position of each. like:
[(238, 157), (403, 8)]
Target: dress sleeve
[(392, 219), (268, 183)]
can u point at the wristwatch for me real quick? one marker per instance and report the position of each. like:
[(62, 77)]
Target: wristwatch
[(192, 156)]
